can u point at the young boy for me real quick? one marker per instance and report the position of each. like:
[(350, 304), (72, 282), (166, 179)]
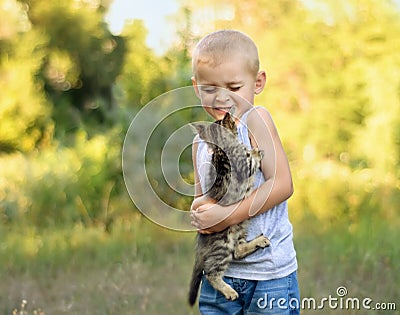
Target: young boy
[(226, 73)]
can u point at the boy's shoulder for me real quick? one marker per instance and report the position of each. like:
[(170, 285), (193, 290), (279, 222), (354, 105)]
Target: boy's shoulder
[(259, 115), (258, 121)]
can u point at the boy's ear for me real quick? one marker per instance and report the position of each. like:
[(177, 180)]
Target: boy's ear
[(261, 80), (195, 86)]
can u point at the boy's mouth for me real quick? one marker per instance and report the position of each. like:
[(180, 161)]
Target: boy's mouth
[(223, 109)]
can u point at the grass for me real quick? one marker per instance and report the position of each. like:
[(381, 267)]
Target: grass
[(141, 268), (362, 257)]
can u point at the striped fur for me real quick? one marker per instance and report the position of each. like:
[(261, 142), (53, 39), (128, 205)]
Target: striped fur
[(229, 181)]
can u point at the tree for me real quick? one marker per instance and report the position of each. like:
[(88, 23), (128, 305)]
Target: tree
[(24, 110), (82, 60)]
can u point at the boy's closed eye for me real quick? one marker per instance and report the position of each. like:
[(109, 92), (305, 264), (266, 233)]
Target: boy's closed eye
[(212, 89), (209, 89), (235, 88)]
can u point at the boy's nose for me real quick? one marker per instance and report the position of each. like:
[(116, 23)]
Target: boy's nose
[(222, 95)]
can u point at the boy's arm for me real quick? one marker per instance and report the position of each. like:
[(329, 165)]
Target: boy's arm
[(278, 184), (209, 217)]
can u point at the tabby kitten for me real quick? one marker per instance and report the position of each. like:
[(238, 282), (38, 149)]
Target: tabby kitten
[(229, 180)]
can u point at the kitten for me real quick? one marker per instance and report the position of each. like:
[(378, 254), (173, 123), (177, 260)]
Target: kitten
[(229, 180)]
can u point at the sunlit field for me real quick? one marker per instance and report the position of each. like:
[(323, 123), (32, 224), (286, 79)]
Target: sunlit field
[(141, 268), (71, 239)]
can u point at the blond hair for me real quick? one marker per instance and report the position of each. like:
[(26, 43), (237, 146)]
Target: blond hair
[(216, 47)]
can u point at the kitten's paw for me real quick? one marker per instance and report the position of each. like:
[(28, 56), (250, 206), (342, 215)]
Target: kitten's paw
[(256, 152), (263, 241), (230, 294)]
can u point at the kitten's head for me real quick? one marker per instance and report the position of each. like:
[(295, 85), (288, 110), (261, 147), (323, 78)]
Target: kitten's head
[(228, 122), (216, 133)]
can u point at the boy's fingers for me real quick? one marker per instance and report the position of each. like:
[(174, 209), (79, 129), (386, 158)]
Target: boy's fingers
[(193, 219), (204, 232)]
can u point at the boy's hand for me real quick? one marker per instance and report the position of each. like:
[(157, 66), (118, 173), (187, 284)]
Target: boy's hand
[(200, 201), (209, 217)]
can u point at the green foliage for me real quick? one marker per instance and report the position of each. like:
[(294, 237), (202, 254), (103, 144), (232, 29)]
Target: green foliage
[(61, 186), (80, 63), (141, 77), (70, 88), (146, 75), (333, 93), (24, 111)]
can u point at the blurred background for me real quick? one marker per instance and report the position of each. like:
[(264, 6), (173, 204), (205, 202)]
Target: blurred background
[(74, 73)]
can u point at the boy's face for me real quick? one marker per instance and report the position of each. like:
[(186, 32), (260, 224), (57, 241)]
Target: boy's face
[(227, 84)]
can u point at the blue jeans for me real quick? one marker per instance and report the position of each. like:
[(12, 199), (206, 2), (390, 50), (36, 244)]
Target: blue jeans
[(277, 296)]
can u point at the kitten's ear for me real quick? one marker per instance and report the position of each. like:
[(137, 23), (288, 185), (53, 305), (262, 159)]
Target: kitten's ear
[(232, 110), (229, 118), (197, 128)]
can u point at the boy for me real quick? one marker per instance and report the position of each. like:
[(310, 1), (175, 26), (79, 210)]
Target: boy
[(226, 73)]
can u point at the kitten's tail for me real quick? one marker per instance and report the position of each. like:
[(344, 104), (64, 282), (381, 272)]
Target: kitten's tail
[(195, 282)]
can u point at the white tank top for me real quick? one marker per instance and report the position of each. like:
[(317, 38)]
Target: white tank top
[(279, 259)]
